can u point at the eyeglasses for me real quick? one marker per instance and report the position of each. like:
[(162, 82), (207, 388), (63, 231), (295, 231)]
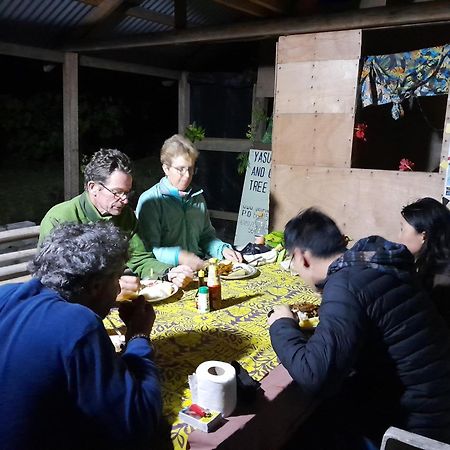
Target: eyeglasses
[(292, 269), (119, 195), (184, 170)]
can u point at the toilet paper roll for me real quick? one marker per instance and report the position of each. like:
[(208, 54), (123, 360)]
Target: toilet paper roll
[(213, 386)]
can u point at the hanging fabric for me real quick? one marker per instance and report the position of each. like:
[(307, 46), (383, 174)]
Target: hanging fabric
[(394, 78)]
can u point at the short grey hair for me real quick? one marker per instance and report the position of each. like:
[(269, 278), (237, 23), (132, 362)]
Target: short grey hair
[(74, 255), (104, 162), (177, 145)]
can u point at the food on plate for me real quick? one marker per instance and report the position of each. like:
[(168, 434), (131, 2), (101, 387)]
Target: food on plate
[(307, 313), (224, 267), (128, 295), (157, 290)]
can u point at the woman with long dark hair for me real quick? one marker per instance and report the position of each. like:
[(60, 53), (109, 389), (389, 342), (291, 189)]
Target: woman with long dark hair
[(425, 231)]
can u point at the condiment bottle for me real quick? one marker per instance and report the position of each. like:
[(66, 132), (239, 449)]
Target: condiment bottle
[(260, 228), (201, 278), (203, 299), (213, 283)]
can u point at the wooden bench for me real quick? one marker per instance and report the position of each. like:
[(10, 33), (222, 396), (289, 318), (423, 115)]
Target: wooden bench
[(13, 264)]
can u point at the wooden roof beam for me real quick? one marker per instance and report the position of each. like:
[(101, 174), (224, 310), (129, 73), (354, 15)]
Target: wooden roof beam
[(140, 13), (55, 56), (276, 6), (180, 14), (100, 12), (104, 15), (387, 17), (246, 7), (145, 14)]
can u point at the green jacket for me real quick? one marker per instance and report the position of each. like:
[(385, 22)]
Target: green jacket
[(171, 223), (80, 210)]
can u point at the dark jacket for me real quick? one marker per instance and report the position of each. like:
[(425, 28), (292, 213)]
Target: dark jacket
[(62, 385), (440, 291), (378, 339)]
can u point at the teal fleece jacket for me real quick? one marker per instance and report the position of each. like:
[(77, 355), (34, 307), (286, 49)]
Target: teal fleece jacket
[(171, 223)]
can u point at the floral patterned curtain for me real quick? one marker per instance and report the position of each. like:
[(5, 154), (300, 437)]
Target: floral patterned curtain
[(394, 78)]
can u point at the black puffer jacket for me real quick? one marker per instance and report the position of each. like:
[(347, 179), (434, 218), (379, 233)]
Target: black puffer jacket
[(378, 336)]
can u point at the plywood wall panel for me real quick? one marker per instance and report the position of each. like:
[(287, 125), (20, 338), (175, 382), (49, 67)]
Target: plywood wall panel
[(316, 87), (320, 46), (315, 95), (445, 152), (313, 139), (363, 202)]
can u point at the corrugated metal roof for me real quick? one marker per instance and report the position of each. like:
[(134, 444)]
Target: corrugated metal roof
[(39, 23), (134, 25), (57, 24), (46, 22), (51, 13)]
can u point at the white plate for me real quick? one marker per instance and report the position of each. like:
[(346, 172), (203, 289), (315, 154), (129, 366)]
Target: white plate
[(249, 272), (168, 289)]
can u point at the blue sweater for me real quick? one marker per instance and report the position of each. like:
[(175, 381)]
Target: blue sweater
[(62, 385), (379, 340)]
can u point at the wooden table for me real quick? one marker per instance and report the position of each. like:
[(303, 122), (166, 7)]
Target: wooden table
[(184, 338)]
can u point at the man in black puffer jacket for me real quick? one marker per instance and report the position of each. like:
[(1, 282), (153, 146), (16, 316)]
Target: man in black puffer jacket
[(381, 352)]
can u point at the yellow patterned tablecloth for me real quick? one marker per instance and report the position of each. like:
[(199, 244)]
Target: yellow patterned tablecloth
[(184, 338)]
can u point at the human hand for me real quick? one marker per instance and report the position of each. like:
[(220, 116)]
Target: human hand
[(138, 316), (129, 287), (280, 312), (181, 275), (191, 260), (231, 255)]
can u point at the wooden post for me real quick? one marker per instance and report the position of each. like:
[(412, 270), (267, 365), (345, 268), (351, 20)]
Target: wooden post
[(184, 103), (180, 14), (70, 102)]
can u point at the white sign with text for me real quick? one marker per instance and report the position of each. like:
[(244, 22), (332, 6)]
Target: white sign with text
[(255, 196)]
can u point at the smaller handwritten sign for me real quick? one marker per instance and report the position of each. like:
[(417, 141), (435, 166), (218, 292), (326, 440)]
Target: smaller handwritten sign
[(255, 196)]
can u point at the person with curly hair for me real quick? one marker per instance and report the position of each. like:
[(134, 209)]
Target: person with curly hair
[(63, 386), (425, 231), (173, 213), (108, 182)]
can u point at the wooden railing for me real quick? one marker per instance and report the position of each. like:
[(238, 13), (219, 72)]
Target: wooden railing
[(13, 264)]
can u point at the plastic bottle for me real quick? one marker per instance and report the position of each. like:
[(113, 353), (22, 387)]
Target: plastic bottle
[(213, 283), (203, 299), (260, 228)]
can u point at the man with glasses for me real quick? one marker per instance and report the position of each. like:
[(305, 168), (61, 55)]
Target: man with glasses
[(108, 183), (173, 213)]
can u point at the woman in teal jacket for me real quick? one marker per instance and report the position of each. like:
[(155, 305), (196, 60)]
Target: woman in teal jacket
[(174, 219)]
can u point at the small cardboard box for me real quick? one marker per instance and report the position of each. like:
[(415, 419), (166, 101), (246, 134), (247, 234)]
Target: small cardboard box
[(208, 423)]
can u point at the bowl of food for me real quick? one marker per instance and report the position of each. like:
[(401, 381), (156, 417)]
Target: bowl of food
[(307, 313)]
